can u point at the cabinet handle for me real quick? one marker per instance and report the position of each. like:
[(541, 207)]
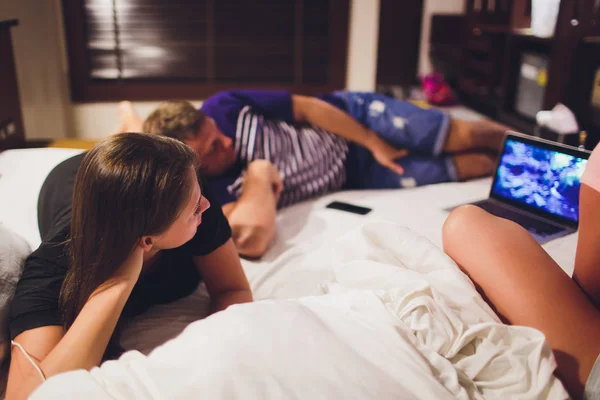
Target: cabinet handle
[(574, 22)]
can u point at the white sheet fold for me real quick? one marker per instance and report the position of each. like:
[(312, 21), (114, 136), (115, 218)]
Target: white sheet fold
[(397, 320)]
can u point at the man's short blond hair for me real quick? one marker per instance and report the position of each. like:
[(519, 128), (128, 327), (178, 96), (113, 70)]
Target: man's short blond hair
[(175, 119)]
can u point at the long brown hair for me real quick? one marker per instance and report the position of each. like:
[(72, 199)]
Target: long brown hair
[(128, 186)]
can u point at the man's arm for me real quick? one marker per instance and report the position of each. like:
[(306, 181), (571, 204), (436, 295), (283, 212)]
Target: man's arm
[(225, 280), (327, 117), (252, 217)]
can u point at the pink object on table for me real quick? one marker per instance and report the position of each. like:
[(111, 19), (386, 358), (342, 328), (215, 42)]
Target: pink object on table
[(437, 91)]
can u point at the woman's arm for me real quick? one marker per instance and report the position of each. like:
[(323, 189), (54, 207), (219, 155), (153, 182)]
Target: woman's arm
[(327, 117), (83, 345), (587, 259), (38, 343), (224, 277)]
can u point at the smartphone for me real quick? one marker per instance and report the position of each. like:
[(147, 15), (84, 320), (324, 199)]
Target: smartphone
[(338, 205)]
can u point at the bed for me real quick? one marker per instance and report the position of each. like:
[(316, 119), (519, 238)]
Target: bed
[(317, 251)]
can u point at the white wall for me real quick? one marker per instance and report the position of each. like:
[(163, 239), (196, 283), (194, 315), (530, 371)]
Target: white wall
[(362, 45), (41, 66), (434, 7), (97, 120)]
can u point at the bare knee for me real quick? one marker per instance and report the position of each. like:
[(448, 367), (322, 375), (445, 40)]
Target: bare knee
[(469, 226)]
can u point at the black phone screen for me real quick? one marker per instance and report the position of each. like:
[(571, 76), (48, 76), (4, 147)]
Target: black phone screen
[(338, 205)]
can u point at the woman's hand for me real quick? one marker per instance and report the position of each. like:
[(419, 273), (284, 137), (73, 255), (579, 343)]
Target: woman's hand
[(131, 268), (384, 153)]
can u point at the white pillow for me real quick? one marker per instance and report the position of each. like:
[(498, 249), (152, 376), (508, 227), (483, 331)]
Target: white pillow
[(13, 251)]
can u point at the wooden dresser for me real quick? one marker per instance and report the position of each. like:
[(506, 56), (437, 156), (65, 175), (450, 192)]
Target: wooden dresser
[(497, 56), (12, 133)]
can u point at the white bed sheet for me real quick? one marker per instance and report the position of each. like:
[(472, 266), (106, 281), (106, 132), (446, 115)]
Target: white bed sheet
[(304, 226), (396, 319), (22, 173), (287, 270)]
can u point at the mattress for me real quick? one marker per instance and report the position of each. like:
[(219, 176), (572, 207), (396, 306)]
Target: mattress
[(22, 173), (287, 269)]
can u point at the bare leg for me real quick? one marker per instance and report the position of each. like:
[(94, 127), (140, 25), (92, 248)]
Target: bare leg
[(473, 165), (130, 120), (587, 273), (468, 135), (526, 287)]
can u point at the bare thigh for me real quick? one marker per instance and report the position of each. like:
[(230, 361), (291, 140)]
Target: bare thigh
[(473, 165), (526, 287), (471, 135)]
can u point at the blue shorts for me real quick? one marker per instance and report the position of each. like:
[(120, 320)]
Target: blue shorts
[(406, 126), (402, 124), (364, 172)]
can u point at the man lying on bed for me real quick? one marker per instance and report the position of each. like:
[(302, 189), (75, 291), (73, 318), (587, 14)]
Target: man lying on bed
[(269, 149)]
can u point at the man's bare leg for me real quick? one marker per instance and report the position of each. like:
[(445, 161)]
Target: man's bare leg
[(469, 135), (473, 165), (129, 119)]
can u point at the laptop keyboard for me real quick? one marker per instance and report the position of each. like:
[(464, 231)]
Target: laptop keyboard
[(533, 225)]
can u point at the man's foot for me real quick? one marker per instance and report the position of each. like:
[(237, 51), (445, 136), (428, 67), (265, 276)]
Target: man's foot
[(130, 120)]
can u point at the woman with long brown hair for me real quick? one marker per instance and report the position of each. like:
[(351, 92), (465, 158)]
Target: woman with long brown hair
[(124, 226)]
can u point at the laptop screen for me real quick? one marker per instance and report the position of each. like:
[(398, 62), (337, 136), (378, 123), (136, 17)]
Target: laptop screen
[(545, 179)]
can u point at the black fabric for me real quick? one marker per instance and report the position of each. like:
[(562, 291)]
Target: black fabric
[(35, 303), (54, 201), (219, 184)]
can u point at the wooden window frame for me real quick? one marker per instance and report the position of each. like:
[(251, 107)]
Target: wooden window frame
[(84, 89)]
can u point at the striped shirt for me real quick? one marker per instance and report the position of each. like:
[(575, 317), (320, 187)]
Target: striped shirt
[(311, 161)]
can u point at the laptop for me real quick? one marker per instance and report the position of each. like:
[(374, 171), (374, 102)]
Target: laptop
[(536, 184)]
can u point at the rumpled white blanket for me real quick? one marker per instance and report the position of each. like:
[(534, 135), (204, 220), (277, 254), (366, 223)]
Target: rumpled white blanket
[(398, 321)]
